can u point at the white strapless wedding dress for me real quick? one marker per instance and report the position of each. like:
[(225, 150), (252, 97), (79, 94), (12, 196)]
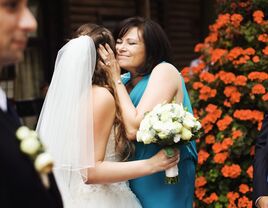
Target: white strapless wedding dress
[(114, 195)]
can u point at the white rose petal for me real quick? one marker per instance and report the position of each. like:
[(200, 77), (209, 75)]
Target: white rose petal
[(177, 138), (33, 134), (22, 132), (198, 125), (43, 163), (188, 123), (186, 134), (176, 126), (30, 146), (162, 135)]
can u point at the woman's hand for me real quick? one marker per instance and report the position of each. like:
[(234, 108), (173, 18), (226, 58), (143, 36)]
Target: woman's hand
[(161, 161), (109, 61)]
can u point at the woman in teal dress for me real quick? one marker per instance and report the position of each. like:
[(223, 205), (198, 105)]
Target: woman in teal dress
[(143, 50)]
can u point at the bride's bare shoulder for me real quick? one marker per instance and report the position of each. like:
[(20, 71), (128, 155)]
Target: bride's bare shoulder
[(102, 97)]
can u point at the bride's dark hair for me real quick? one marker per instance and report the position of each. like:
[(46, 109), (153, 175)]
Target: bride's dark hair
[(102, 77)]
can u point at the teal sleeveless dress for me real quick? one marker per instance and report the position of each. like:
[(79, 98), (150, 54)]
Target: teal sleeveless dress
[(151, 190)]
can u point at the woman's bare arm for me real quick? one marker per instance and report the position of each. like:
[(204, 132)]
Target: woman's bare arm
[(107, 171)]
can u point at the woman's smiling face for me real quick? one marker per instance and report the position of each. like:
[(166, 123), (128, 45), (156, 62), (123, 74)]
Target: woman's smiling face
[(130, 49)]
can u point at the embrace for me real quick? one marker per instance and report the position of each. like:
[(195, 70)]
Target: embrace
[(92, 113)]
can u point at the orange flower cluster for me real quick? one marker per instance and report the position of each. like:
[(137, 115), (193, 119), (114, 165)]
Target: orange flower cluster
[(213, 114), (212, 198), (244, 202), (220, 157), (250, 115), (200, 181), (229, 93), (232, 171), (202, 156), (258, 17), (224, 123)]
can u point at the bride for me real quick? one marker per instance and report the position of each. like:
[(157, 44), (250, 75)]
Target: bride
[(81, 126)]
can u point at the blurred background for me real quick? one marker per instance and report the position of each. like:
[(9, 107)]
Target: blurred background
[(185, 22)]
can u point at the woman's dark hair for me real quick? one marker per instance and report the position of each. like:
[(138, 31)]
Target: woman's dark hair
[(103, 77), (156, 43)]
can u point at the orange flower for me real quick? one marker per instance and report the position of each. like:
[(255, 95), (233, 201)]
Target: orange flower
[(206, 76), (202, 156), (224, 123), (236, 134), (199, 47), (217, 147), (265, 97), (244, 202), (241, 80), (232, 93), (258, 89), (210, 139), (259, 76), (265, 50), (256, 59), (227, 77), (227, 103), (200, 193), (232, 196), (217, 54), (250, 171), (243, 188), (249, 51), (206, 93), (227, 142), (231, 205), (212, 198), (236, 19), (197, 85), (234, 53), (211, 108), (212, 38), (200, 181), (220, 157), (263, 38), (258, 16), (232, 171)]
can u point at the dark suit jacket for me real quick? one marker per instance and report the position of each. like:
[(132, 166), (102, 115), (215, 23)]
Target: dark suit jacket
[(20, 185), (260, 163)]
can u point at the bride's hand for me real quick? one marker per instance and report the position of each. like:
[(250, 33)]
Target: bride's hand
[(109, 61), (161, 161)]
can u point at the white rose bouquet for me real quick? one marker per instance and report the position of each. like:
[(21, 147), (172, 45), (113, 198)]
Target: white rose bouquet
[(168, 125)]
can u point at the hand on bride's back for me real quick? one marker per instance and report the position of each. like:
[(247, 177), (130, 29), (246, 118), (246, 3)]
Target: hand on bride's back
[(161, 161)]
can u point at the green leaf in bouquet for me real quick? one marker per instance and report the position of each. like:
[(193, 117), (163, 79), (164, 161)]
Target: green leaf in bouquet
[(169, 151)]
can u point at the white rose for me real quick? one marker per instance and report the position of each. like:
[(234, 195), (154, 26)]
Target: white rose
[(188, 123), (176, 127), (186, 134), (145, 124), (198, 125), (30, 146), (157, 126), (44, 163), (146, 137), (22, 132), (162, 135), (165, 116), (177, 138)]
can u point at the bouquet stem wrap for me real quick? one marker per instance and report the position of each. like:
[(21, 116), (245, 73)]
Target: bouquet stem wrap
[(172, 175)]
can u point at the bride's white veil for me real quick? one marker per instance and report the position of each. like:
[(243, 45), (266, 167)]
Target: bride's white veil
[(65, 124)]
